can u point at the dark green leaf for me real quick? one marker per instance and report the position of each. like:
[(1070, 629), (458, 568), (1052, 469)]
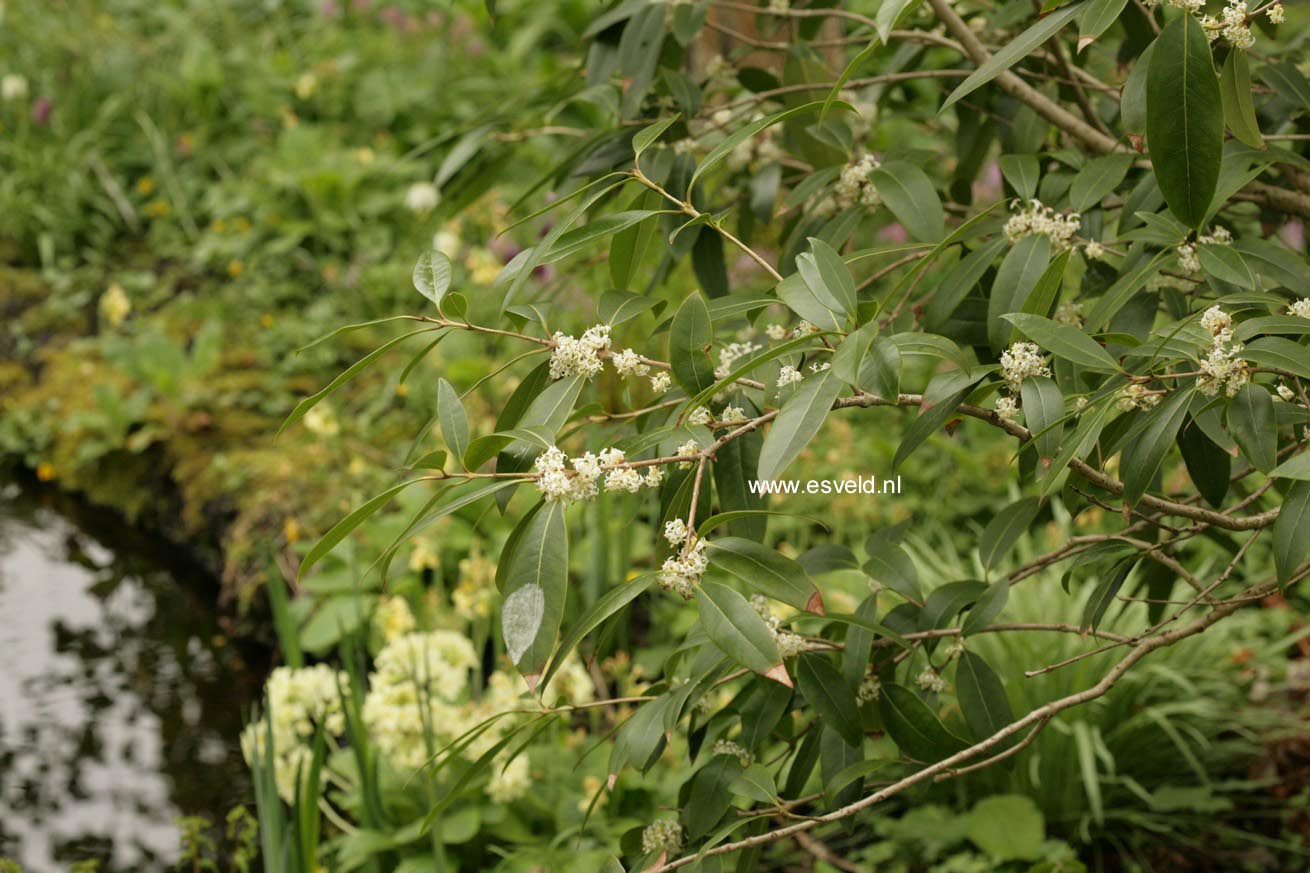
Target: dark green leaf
[(1005, 528), (691, 333), (739, 632), (1292, 532), (1252, 423), (914, 727), (831, 697), (798, 421), (981, 693)]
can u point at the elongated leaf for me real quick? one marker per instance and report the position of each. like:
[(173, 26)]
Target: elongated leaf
[(349, 373), (987, 608), (982, 696), (892, 566), (859, 643), (739, 632), (1239, 111), (1064, 341), (1144, 455), (764, 569), (691, 333), (1005, 528), (1207, 463), (828, 276), (1252, 423), (1295, 467), (1097, 179), (1104, 593), (1043, 409), (739, 136), (928, 423), (735, 466), (454, 421), (1020, 270), (1184, 119), (1292, 532), (648, 135), (914, 727), (609, 604), (1016, 50), (947, 601), (1096, 20), (341, 529), (1023, 172), (798, 421), (831, 697), (535, 589), (909, 194), (1281, 354)]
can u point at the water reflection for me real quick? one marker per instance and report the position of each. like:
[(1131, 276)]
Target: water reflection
[(120, 700)]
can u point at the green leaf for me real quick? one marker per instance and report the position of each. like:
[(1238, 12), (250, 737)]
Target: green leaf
[(1064, 341), (909, 194), (798, 421), (454, 421), (987, 608), (1207, 464), (605, 607), (535, 589), (647, 135), (981, 693), (1096, 20), (739, 136), (827, 276), (1016, 50), (1252, 423), (764, 569), (892, 567), (1104, 593), (1023, 172), (914, 727), (1239, 111), (1295, 467), (739, 632), (1226, 263), (1008, 827), (831, 697), (1132, 100), (763, 710), (947, 601), (756, 783), (736, 464), (432, 276), (859, 643), (616, 307), (1184, 119), (889, 12), (1292, 532), (1005, 528), (1280, 354), (1144, 455), (928, 423), (691, 333), (1099, 177), (341, 529), (1020, 270), (1043, 410), (349, 373)]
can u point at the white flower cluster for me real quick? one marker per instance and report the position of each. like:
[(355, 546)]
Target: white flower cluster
[(1232, 24), (1093, 250), (1192, 6), (675, 531), (804, 328), (752, 151), (1276, 13), (299, 701), (681, 573), (422, 198), (777, 332), (686, 450), (1136, 396), (1222, 366), (579, 356), (732, 415), (1188, 261), (1300, 308), (854, 185), (700, 416), (1007, 408), (393, 617), (1020, 361), (731, 354), (1037, 218), (13, 87), (662, 835), (870, 687), (629, 363), (789, 375), (556, 482), (789, 644), (509, 781), (728, 747), (1070, 312), (1286, 393), (930, 680)]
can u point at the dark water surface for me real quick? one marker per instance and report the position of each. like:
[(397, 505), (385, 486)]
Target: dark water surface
[(120, 698)]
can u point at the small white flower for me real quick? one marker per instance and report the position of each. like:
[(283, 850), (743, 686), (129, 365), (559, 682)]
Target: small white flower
[(422, 198), (1188, 261), (611, 457), (1300, 308), (804, 328), (1070, 312), (700, 416), (870, 688), (13, 87), (1020, 361), (728, 747), (682, 573), (819, 368), (581, 356), (1136, 396), (1286, 393), (625, 479), (1276, 13), (789, 375), (732, 415), (731, 354), (660, 381), (1094, 250), (1007, 408), (628, 363), (654, 476), (662, 836), (688, 449), (929, 680), (1038, 218), (854, 185), (776, 332), (1219, 323), (675, 531)]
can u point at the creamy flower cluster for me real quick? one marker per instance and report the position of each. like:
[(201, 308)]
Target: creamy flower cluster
[(681, 573), (662, 835), (870, 687), (422, 197), (1223, 366), (1037, 218), (1300, 308), (1136, 396), (731, 354), (789, 644), (789, 375), (299, 702), (728, 747), (557, 482), (855, 186), (393, 617), (930, 680), (580, 356), (629, 363), (1232, 24), (1020, 361), (1188, 259)]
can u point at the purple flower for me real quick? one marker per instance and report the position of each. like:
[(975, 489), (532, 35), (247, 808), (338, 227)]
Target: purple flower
[(41, 109)]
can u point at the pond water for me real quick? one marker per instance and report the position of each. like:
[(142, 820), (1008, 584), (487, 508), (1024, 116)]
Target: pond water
[(121, 700)]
